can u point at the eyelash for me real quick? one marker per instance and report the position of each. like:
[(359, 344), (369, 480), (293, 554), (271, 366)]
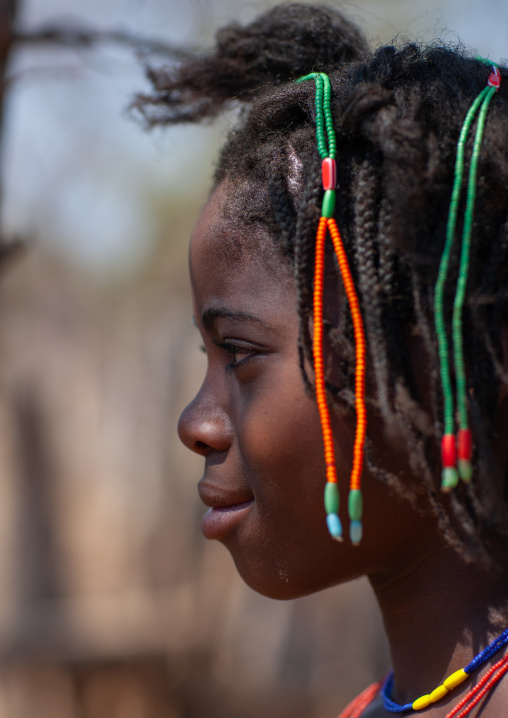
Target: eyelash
[(233, 350)]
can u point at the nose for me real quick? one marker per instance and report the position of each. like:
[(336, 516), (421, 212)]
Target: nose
[(204, 427)]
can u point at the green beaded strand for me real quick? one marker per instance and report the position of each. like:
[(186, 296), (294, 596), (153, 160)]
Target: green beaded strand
[(450, 474), (324, 121), (320, 120), (460, 294), (443, 267), (327, 111)]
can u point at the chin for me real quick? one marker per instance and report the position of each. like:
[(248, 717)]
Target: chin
[(279, 588), (271, 577)]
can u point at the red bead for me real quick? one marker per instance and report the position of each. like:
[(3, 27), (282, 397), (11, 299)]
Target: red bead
[(448, 451), (464, 444), (494, 78), (329, 172)]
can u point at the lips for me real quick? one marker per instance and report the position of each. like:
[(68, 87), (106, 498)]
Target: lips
[(228, 507)]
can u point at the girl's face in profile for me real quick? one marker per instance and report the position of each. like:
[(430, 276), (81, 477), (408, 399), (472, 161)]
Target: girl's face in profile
[(259, 431)]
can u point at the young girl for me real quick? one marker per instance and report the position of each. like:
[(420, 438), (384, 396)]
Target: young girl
[(350, 282)]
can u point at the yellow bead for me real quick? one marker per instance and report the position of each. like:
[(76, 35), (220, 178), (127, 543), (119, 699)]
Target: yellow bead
[(455, 679), (438, 693), (421, 703)]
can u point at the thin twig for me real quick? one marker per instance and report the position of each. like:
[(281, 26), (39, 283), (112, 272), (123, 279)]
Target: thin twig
[(74, 36)]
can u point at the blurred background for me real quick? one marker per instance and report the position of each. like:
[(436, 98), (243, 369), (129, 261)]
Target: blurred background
[(112, 605)]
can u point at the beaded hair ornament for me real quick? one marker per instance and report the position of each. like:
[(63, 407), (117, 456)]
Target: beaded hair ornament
[(450, 445), (462, 445), (327, 147)]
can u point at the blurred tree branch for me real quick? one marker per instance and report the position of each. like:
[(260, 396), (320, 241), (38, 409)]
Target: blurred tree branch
[(59, 35), (74, 36)]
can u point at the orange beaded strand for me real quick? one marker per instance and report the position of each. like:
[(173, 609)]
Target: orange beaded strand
[(360, 352), (317, 348), (355, 502)]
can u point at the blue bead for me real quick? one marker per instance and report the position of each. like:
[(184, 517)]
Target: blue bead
[(334, 526), (355, 532)]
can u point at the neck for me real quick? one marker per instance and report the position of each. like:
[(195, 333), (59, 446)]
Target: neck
[(438, 613)]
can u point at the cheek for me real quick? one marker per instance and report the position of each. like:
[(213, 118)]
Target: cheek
[(280, 436), (280, 449), (281, 446)]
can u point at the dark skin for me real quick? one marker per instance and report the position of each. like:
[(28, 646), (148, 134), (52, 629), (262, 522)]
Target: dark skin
[(260, 436)]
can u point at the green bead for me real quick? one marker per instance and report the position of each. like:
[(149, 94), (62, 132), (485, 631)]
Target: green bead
[(331, 498), (323, 152), (449, 479), (355, 505), (465, 470), (328, 207)]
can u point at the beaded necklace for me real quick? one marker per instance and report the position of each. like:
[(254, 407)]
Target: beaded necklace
[(448, 685), (465, 705), (326, 136)]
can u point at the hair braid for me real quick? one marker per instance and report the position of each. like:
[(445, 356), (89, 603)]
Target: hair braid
[(422, 307), (386, 253), (307, 220), (366, 204)]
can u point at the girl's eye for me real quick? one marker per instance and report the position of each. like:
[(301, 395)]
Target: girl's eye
[(234, 351)]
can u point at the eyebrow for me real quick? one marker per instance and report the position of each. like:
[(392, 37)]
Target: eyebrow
[(211, 315)]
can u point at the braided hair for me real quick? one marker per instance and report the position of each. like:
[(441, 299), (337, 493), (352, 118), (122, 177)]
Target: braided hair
[(398, 112)]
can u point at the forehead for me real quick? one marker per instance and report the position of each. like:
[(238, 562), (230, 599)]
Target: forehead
[(228, 256), (235, 215)]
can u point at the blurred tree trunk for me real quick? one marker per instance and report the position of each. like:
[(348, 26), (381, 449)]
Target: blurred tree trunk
[(8, 14)]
